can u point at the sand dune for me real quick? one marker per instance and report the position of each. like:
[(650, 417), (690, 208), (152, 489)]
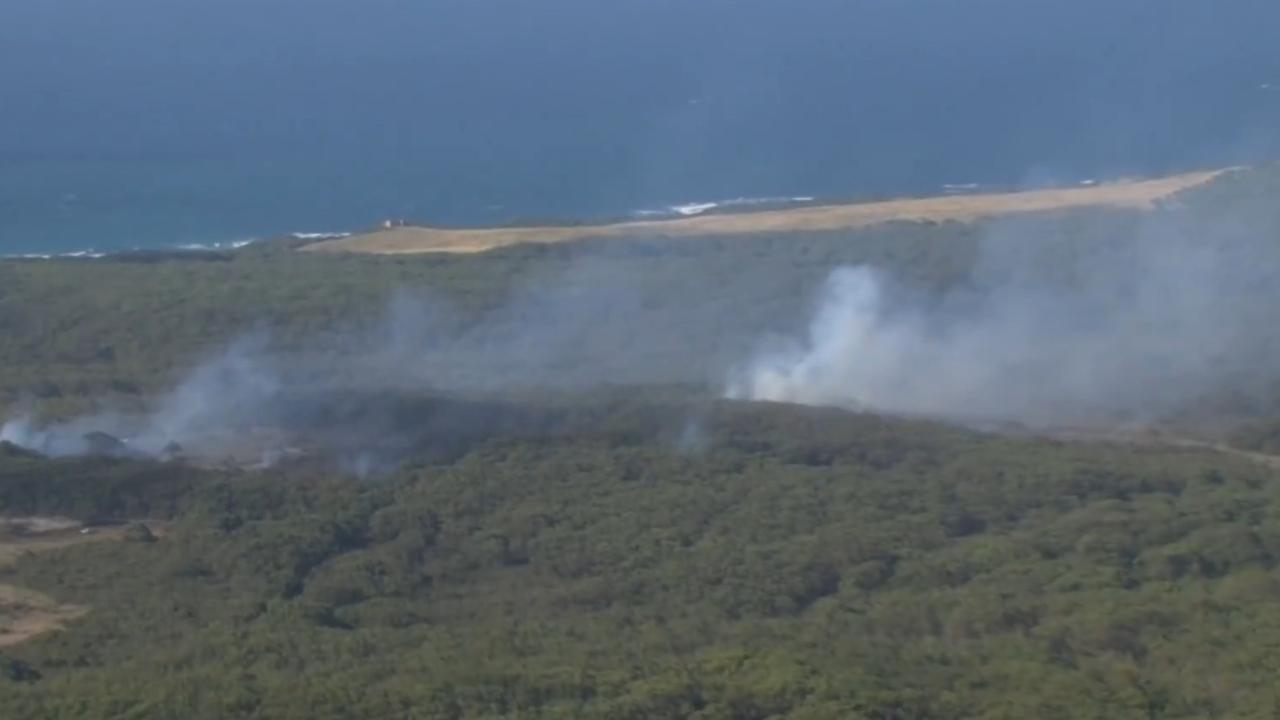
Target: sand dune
[(961, 208)]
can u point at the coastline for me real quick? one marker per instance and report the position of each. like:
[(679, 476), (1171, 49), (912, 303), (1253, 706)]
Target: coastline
[(1130, 194), (741, 216), (191, 249)]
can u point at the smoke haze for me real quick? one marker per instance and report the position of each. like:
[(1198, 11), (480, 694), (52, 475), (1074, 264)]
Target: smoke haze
[(373, 394), (1086, 317), (1114, 328)]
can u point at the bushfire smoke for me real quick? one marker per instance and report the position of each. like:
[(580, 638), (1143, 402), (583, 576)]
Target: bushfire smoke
[(1106, 328), (1087, 317), (426, 375)]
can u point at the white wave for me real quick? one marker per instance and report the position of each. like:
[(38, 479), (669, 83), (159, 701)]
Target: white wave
[(694, 208), (698, 208), (771, 200), (319, 235), (228, 245), (92, 254), (82, 254), (960, 187)]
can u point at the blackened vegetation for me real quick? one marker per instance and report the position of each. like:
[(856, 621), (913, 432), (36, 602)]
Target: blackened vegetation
[(17, 671), (93, 489)]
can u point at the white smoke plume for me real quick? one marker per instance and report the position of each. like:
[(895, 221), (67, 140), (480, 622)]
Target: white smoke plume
[(253, 400), (1106, 329), (222, 397), (1058, 321)]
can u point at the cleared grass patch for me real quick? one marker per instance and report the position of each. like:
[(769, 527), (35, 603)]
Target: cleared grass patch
[(1139, 194)]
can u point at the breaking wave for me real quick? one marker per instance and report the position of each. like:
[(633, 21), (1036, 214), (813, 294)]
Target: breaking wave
[(699, 208), (206, 247), (78, 254), (318, 235)]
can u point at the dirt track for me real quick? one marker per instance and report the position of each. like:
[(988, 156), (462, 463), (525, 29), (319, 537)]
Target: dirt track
[(1149, 437), (24, 613), (960, 208)]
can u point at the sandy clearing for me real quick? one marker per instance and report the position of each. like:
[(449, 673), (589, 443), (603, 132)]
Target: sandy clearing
[(1150, 437), (1139, 194), (24, 536), (38, 524), (1270, 461), (24, 614)]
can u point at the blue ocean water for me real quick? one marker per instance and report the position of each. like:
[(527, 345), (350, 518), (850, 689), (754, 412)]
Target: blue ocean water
[(159, 123)]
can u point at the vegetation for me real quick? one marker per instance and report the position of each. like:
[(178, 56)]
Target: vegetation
[(799, 563), (81, 330), (123, 327), (621, 553)]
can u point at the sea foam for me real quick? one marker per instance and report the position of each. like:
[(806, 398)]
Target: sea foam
[(214, 246), (699, 208), (319, 235)]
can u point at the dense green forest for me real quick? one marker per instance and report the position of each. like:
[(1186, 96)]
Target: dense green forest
[(794, 563), (619, 550)]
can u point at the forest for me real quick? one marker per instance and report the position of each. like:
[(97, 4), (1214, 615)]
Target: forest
[(596, 532)]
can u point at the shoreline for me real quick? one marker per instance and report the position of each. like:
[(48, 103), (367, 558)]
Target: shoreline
[(177, 250), (818, 217), (741, 216)]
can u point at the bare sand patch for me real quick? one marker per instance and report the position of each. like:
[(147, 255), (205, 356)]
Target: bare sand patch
[(1138, 194), (29, 535), (24, 613)]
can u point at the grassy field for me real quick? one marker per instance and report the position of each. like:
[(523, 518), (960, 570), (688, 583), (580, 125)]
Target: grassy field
[(1140, 194)]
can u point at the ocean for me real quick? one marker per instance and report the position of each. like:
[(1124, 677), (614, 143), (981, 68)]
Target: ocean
[(161, 124)]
